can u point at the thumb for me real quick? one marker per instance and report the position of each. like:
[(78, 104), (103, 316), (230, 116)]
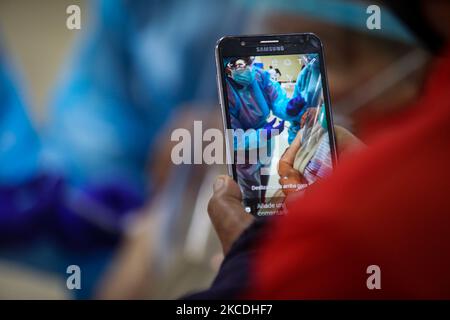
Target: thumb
[(226, 211), (227, 197), (346, 142)]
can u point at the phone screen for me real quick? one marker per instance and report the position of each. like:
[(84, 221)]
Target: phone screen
[(281, 137)]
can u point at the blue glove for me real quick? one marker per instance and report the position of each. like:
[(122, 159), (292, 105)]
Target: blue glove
[(295, 106), (269, 126)]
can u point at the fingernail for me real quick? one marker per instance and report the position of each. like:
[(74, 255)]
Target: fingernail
[(220, 182)]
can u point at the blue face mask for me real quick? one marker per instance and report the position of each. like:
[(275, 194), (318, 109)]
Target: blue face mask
[(243, 76)]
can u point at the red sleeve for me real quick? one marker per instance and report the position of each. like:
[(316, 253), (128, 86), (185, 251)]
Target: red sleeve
[(387, 206)]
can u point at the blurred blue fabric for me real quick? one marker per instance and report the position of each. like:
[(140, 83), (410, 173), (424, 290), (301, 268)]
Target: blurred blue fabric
[(137, 64), (19, 143), (71, 187)]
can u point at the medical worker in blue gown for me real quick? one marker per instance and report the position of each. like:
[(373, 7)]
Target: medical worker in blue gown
[(308, 89), (253, 97)]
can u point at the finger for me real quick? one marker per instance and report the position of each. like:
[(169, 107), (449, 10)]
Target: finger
[(226, 187), (286, 170), (226, 211), (289, 156), (296, 144), (346, 142), (290, 182), (226, 200), (290, 153)]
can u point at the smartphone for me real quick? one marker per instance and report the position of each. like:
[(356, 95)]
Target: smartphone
[(277, 116)]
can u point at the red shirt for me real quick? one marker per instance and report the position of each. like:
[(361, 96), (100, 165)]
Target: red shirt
[(388, 205)]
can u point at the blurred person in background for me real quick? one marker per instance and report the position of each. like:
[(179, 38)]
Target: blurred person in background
[(245, 241), (80, 178)]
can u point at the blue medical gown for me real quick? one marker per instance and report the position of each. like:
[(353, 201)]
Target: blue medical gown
[(250, 107), (309, 86)]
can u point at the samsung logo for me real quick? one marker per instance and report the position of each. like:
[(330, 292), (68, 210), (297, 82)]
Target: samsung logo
[(269, 48)]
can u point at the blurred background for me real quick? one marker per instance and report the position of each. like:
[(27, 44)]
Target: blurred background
[(86, 118)]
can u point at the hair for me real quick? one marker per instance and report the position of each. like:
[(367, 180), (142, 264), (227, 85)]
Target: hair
[(412, 15)]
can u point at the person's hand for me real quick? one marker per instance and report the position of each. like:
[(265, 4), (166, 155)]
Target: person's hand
[(308, 117), (288, 175), (225, 208), (227, 213), (346, 143)]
